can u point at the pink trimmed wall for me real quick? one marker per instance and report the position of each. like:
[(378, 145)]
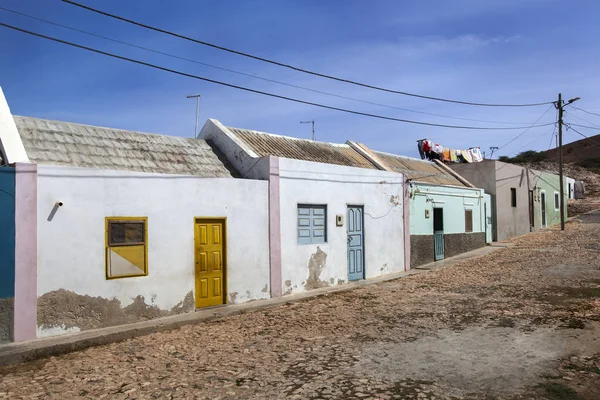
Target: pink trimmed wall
[(275, 228), (25, 306), (406, 210)]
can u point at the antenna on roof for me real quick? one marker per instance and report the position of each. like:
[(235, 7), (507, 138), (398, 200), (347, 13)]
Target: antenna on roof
[(313, 127), (197, 96)]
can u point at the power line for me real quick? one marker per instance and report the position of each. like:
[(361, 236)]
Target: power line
[(250, 75), (585, 111), (587, 137), (254, 90), (585, 126), (525, 131), (584, 120), (296, 68)]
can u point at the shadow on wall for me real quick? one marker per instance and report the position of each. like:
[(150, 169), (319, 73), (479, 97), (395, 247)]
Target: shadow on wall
[(68, 311)]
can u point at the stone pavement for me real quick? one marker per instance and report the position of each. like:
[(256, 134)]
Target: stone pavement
[(520, 323), (13, 353)]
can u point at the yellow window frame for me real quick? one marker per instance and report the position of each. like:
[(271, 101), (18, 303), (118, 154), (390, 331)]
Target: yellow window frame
[(107, 246)]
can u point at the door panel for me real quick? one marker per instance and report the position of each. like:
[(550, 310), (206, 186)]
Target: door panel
[(356, 268), (438, 233), (209, 271), (543, 207)]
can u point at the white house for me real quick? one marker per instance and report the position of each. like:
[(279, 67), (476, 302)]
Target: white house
[(335, 217), (116, 226)]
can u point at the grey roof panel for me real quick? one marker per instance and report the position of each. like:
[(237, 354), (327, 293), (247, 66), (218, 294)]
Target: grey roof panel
[(71, 144), (418, 170), (265, 144)]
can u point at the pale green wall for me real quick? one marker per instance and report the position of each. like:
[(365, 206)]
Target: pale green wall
[(455, 201), (549, 183)]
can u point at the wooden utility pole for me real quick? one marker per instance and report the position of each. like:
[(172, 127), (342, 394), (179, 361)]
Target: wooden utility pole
[(560, 163), (560, 106)]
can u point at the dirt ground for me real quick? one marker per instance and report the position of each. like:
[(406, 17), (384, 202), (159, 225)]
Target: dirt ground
[(520, 323)]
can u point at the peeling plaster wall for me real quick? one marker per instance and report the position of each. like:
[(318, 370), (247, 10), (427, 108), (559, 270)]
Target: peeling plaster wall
[(310, 266), (71, 249)]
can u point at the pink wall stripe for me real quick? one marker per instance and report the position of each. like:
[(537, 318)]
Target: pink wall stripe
[(275, 228), (25, 306), (406, 209)]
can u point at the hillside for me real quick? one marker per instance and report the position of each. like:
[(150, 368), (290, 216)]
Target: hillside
[(584, 152), (589, 176)]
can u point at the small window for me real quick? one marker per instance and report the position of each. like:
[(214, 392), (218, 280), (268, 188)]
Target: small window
[(468, 220), (556, 201), (513, 197), (126, 247), (312, 224)]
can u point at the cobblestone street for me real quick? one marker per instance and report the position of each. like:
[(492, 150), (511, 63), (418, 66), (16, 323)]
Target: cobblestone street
[(520, 323)]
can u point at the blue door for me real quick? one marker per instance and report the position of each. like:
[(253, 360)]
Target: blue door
[(438, 233), (356, 254)]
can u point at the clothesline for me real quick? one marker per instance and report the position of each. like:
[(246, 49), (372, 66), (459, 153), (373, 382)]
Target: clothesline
[(433, 151)]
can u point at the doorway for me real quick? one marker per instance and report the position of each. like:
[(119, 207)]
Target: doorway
[(543, 208), (531, 212), (356, 243), (438, 233), (209, 255)]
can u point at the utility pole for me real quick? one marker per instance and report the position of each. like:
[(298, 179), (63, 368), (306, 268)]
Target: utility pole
[(197, 96), (493, 148), (313, 127), (560, 106)]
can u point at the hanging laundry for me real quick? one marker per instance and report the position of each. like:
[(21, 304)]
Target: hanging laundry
[(446, 154), (467, 156), (453, 156), (427, 145), (476, 152), (420, 144), (436, 148)]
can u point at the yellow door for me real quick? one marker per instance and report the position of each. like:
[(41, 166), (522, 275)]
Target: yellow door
[(209, 245)]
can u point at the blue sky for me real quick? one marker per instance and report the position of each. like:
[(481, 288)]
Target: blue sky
[(509, 51)]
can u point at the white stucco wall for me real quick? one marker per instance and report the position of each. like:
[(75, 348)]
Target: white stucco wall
[(71, 245), (10, 140), (380, 193)]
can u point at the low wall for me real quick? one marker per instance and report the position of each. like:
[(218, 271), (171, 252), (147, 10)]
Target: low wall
[(422, 250)]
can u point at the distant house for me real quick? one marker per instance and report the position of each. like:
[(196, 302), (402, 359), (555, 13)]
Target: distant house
[(447, 213), (522, 199)]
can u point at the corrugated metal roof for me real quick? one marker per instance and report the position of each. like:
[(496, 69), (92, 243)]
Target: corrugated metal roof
[(265, 144), (418, 170), (67, 143)]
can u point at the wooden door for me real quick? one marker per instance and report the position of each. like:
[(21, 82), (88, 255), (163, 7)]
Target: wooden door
[(438, 233), (210, 262), (356, 256)]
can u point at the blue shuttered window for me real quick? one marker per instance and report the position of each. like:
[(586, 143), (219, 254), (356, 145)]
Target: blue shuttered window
[(312, 225)]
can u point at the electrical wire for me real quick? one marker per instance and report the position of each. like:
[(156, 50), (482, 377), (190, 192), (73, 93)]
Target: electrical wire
[(254, 90), (587, 137), (130, 21), (584, 126), (585, 111), (584, 120), (525, 131), (250, 75)]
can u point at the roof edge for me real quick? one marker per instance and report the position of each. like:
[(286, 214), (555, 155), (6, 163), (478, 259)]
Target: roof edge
[(454, 173), (365, 152), (212, 127), (11, 144)]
